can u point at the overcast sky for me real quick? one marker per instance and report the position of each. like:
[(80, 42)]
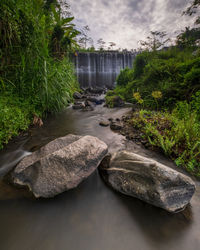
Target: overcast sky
[(125, 22)]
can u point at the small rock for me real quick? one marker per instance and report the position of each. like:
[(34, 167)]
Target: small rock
[(78, 105), (88, 108), (77, 95), (116, 126), (99, 102), (89, 104), (104, 123), (92, 99), (96, 100)]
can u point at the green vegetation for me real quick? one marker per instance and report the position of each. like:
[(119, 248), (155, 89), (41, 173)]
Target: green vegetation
[(174, 72), (176, 133), (165, 85), (36, 75)]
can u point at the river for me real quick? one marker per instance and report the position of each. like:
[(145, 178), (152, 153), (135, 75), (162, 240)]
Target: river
[(92, 216)]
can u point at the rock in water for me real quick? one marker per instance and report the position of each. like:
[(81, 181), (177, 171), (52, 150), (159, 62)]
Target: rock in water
[(78, 105), (115, 125), (60, 165), (77, 95), (147, 180), (104, 123)]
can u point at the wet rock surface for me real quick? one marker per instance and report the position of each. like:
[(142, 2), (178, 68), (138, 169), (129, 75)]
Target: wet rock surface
[(147, 180), (88, 100), (96, 90), (60, 165), (116, 125), (78, 105), (126, 129), (104, 123), (77, 95)]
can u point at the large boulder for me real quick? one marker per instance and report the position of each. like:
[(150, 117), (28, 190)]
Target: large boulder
[(147, 180), (60, 165)]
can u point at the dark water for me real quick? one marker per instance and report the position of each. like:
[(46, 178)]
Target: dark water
[(92, 216), (96, 69)]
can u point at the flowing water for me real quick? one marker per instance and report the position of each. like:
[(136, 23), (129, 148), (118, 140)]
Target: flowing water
[(96, 69), (92, 216)]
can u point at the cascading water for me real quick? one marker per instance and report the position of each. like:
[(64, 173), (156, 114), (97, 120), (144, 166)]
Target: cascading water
[(100, 69)]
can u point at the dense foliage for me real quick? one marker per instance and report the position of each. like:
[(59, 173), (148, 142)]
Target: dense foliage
[(36, 75), (168, 82), (174, 72)]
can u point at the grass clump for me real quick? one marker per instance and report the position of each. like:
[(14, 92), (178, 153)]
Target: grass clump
[(15, 116)]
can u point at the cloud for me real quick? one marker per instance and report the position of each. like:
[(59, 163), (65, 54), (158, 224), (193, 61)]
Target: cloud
[(125, 22)]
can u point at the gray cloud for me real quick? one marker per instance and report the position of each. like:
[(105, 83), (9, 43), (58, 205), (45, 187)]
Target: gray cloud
[(125, 22)]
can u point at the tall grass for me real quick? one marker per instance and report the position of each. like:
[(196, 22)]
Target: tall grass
[(29, 74)]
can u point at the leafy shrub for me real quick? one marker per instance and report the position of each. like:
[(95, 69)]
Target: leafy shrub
[(173, 72), (195, 103), (124, 77), (15, 115), (192, 80), (139, 64)]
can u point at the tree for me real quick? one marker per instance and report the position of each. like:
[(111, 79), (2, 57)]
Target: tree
[(64, 32), (188, 37), (101, 44), (154, 41), (112, 45), (84, 39), (193, 9)]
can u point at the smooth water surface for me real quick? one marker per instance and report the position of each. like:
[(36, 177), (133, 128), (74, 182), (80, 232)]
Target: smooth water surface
[(92, 216)]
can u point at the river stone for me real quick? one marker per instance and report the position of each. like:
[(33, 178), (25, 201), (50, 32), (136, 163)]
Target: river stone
[(60, 165), (116, 125), (147, 180), (78, 105), (77, 95), (104, 123)]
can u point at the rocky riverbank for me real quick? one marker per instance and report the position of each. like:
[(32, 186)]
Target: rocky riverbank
[(63, 163)]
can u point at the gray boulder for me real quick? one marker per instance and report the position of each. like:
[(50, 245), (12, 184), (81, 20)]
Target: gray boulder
[(147, 180), (60, 165)]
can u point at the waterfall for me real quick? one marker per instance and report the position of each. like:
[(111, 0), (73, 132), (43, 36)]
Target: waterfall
[(100, 69)]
